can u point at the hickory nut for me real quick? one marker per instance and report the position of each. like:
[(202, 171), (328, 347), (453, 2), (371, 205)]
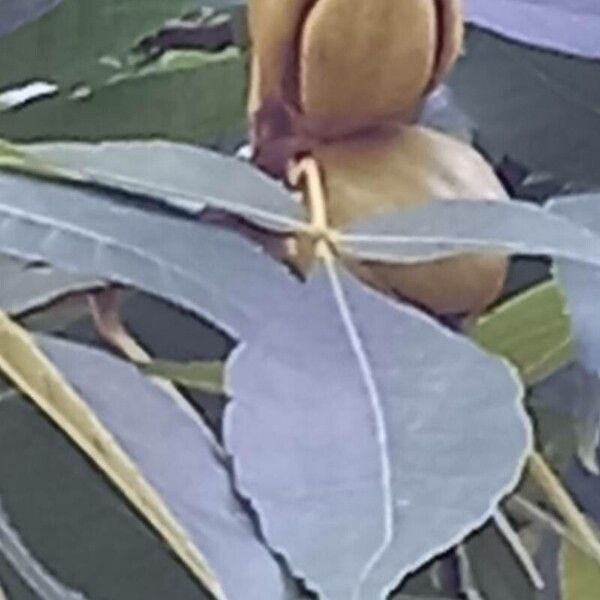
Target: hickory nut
[(342, 81), (339, 66)]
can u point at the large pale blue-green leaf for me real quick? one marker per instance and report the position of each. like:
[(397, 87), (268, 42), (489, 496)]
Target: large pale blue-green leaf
[(211, 272), (15, 13), (185, 176), (25, 286), (368, 437), (447, 227), (179, 457)]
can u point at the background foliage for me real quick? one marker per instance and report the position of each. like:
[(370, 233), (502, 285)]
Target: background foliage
[(134, 78)]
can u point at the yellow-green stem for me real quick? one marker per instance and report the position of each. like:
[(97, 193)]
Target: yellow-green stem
[(564, 503)]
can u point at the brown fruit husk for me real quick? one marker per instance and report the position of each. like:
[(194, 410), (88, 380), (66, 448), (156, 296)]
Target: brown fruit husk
[(400, 167), (340, 66), (328, 77), (362, 62)]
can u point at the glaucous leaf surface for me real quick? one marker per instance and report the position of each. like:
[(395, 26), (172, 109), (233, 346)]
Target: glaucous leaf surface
[(538, 108), (447, 227), (25, 286), (184, 176), (16, 13), (571, 26), (177, 454), (211, 272), (362, 442)]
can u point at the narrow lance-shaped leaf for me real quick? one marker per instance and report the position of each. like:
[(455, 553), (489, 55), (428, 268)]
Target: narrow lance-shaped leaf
[(184, 176), (446, 227), (25, 287), (362, 443), (182, 462), (178, 482), (543, 22), (212, 272)]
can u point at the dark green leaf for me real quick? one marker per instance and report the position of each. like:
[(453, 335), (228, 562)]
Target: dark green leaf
[(52, 48), (38, 579), (532, 330), (196, 98), (206, 376)]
